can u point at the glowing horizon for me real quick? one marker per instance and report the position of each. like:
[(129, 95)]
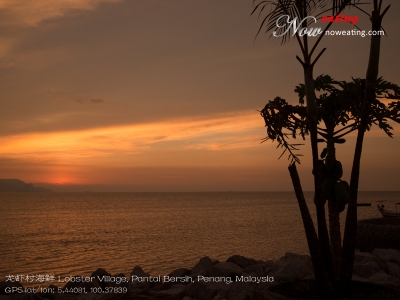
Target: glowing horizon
[(136, 145)]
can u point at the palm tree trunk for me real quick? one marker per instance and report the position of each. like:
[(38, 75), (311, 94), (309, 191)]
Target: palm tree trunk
[(319, 199), (335, 236), (321, 277), (333, 208), (351, 218)]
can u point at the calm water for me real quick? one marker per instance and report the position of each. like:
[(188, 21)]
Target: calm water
[(76, 233)]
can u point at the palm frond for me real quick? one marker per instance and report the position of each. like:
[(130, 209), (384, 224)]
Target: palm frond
[(278, 116)]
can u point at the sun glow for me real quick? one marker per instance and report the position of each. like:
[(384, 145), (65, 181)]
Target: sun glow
[(62, 180)]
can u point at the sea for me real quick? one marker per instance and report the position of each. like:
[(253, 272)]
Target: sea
[(68, 234)]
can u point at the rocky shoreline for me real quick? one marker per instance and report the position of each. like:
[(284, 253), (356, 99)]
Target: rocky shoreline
[(238, 278)]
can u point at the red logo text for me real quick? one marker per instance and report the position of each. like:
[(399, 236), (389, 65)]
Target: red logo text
[(340, 18)]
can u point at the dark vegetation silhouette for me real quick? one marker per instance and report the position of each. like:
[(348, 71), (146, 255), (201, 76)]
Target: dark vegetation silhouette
[(339, 105), (349, 105)]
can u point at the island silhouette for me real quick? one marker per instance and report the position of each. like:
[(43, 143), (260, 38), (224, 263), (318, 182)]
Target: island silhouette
[(16, 185)]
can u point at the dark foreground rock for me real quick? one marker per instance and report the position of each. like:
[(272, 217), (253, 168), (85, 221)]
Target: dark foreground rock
[(381, 233), (239, 278)]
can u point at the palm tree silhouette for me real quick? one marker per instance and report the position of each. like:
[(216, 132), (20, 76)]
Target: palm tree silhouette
[(339, 105), (307, 123)]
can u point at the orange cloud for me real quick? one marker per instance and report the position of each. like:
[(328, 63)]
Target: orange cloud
[(217, 132), (32, 12)]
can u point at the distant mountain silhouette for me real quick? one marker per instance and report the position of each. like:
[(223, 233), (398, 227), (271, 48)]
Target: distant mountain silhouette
[(16, 185)]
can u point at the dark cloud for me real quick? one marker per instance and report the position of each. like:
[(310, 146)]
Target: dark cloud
[(97, 101), (91, 101), (160, 138)]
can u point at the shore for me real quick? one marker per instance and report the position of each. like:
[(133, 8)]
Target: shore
[(236, 278)]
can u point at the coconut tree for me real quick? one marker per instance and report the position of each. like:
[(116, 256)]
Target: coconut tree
[(339, 111), (369, 95), (301, 10), (339, 105)]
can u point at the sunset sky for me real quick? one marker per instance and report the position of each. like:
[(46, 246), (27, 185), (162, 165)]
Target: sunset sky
[(146, 95)]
